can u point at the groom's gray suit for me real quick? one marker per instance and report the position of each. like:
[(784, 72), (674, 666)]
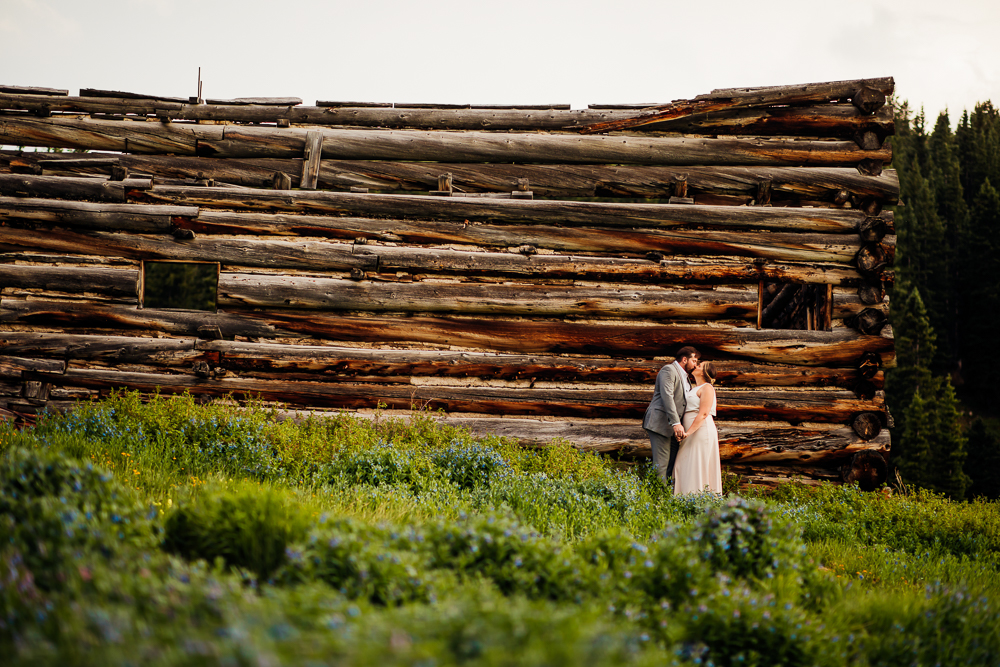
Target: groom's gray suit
[(665, 410)]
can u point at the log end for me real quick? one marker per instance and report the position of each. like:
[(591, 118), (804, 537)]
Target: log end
[(869, 321), (868, 100), (867, 425), (868, 469)]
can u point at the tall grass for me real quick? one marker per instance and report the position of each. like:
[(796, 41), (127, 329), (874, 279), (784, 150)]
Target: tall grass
[(164, 531)]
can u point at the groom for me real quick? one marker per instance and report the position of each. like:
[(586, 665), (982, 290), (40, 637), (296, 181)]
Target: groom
[(663, 416)]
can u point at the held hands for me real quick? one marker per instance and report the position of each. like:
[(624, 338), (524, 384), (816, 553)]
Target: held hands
[(679, 432)]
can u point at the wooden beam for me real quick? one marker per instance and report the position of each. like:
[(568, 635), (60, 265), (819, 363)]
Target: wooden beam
[(722, 270), (837, 120), (115, 283), (720, 100), (817, 186), (664, 302), (230, 252), (240, 141), (27, 90), (819, 406), (592, 214), (330, 363), (742, 443), (122, 217), (289, 254), (311, 160), (62, 187), (840, 348)]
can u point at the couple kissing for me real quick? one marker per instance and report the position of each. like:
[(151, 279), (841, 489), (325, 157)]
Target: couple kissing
[(681, 426)]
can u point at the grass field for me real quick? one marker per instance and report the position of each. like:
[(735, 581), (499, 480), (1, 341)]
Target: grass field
[(168, 532)]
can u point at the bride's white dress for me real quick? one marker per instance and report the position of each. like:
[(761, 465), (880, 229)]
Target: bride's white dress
[(698, 466)]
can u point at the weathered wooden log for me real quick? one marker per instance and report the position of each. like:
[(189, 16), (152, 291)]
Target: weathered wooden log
[(61, 187), (839, 348), (29, 90), (123, 95), (577, 267), (269, 292), (332, 363), (725, 99), (818, 186), (236, 290), (823, 248), (741, 443), (105, 349), (821, 120), (242, 141), (119, 217), (115, 320), (120, 95), (138, 136), (311, 161), (236, 252), (839, 120), (116, 283), (233, 141), (11, 368), (818, 406), (69, 161), (547, 300), (600, 214)]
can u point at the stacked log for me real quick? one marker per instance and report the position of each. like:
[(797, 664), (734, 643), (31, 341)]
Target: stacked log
[(440, 257)]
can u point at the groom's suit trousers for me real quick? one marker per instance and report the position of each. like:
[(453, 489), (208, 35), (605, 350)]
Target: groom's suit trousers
[(665, 450)]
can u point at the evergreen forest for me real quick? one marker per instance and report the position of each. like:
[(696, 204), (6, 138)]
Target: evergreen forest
[(946, 303)]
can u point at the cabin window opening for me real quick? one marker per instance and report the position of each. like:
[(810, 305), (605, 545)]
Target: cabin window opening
[(782, 305), (179, 285)]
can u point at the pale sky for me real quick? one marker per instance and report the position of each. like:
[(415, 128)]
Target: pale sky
[(942, 54)]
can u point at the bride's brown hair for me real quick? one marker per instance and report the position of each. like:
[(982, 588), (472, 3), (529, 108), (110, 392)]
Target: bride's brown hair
[(709, 370)]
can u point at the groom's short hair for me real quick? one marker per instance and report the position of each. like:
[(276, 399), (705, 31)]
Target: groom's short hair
[(687, 351)]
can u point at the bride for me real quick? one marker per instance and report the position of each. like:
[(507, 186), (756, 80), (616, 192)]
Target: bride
[(698, 466)]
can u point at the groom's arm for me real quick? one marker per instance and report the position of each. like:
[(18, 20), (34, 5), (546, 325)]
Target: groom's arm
[(668, 380)]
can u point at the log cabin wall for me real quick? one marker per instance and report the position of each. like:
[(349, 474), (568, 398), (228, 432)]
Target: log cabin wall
[(527, 270)]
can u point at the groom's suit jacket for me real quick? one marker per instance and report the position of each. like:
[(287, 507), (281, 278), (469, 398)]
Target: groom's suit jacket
[(669, 402)]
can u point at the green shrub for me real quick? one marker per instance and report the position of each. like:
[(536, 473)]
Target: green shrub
[(357, 566), (739, 626), (54, 509), (940, 627), (743, 539), (516, 559), (918, 523), (249, 529)]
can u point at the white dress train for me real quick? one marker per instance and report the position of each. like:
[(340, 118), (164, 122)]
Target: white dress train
[(698, 467)]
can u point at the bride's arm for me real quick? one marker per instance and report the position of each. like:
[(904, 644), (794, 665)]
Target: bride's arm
[(707, 396)]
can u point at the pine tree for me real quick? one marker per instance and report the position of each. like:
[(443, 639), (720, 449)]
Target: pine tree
[(948, 443), (978, 140), (915, 344), (946, 184), (915, 464), (981, 309), (915, 347), (922, 245), (983, 462)]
